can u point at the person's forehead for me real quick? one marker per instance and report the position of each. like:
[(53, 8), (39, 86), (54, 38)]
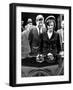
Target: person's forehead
[(50, 22)]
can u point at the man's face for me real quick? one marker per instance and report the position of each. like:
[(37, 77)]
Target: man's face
[(40, 22), (50, 26), (30, 24), (62, 24)]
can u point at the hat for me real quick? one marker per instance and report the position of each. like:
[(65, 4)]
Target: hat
[(49, 18), (29, 20), (39, 17)]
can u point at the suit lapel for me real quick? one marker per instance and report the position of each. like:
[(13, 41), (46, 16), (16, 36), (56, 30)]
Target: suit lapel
[(51, 36)]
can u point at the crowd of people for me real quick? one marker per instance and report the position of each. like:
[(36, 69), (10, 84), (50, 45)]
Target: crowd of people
[(42, 39)]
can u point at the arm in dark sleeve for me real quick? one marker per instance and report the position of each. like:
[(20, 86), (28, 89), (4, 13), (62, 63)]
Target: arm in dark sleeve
[(41, 44), (30, 37), (58, 44)]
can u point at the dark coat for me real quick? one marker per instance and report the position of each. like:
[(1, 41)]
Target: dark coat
[(34, 40), (51, 45)]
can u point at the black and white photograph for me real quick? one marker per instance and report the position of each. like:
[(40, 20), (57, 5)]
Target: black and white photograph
[(40, 44)]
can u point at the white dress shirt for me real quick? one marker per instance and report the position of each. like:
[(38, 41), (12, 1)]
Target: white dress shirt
[(49, 34)]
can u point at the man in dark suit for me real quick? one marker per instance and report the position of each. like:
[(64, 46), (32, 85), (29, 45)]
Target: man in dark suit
[(34, 35)]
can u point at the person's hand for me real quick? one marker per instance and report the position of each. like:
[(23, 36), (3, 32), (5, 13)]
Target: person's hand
[(50, 56), (39, 58)]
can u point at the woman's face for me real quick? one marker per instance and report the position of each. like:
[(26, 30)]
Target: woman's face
[(50, 26)]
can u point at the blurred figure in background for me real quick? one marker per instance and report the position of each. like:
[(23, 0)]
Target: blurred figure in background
[(29, 24), (22, 27), (61, 34), (25, 48), (24, 39)]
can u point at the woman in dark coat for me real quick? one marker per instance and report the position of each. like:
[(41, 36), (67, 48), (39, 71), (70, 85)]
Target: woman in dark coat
[(50, 42)]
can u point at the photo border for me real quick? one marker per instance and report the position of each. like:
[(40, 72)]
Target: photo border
[(12, 63)]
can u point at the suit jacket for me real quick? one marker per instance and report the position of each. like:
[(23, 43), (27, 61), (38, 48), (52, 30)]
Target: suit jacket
[(51, 45), (34, 40)]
